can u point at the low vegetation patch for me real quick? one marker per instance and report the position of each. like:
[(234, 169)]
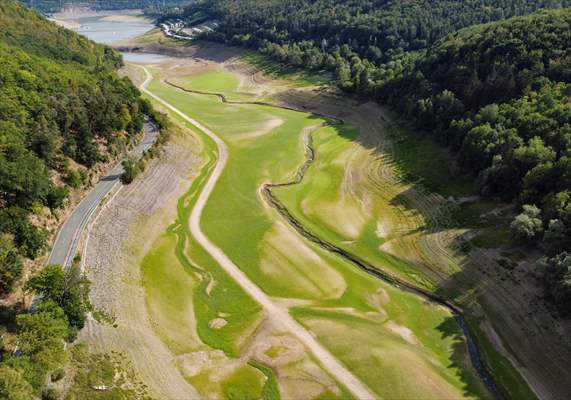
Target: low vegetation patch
[(240, 181)]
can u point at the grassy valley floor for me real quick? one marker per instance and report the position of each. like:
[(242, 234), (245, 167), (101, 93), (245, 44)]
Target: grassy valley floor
[(373, 190), (222, 342)]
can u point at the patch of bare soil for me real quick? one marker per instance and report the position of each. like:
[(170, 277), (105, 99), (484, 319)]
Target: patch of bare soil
[(125, 18), (217, 323), (113, 257), (67, 23), (156, 42), (523, 327), (299, 377)]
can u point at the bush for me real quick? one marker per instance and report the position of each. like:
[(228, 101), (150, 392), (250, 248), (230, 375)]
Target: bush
[(13, 386), (557, 275), (50, 394), (73, 178), (10, 264), (69, 290), (29, 239), (130, 170), (528, 225), (57, 375), (56, 197)]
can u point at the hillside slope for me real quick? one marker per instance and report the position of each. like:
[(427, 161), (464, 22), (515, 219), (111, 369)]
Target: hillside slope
[(63, 109), (52, 6), (351, 37), (499, 96)]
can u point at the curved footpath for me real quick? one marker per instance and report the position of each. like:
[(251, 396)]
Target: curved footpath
[(67, 240), (280, 316)]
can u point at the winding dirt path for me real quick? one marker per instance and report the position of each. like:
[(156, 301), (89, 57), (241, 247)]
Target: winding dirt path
[(280, 316)]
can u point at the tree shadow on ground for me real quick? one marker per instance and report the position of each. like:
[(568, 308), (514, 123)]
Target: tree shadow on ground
[(416, 198), (8, 315)]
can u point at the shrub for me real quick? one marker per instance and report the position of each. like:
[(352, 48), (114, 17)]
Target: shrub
[(10, 264), (527, 225), (13, 386), (557, 275)]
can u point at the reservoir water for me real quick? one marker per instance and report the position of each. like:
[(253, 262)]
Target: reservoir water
[(100, 30)]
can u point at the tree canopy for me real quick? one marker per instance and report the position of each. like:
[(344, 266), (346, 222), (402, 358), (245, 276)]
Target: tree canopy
[(60, 100), (59, 310), (358, 35)]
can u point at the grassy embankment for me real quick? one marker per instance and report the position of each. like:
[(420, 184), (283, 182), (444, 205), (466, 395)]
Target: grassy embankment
[(360, 319), (185, 290)]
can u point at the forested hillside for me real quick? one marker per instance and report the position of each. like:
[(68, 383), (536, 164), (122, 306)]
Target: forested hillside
[(63, 109), (500, 96), (497, 93), (356, 34), (52, 6)]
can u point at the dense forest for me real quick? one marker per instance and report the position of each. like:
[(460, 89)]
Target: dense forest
[(499, 96), (497, 91), (63, 110), (328, 33)]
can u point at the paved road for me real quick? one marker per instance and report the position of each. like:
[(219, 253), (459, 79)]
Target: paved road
[(67, 240), (279, 315)]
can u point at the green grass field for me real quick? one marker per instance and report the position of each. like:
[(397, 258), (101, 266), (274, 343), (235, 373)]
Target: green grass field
[(186, 290), (350, 218), (219, 81), (393, 341)]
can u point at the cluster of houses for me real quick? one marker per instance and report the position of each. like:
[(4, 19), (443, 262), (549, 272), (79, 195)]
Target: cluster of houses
[(176, 29)]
